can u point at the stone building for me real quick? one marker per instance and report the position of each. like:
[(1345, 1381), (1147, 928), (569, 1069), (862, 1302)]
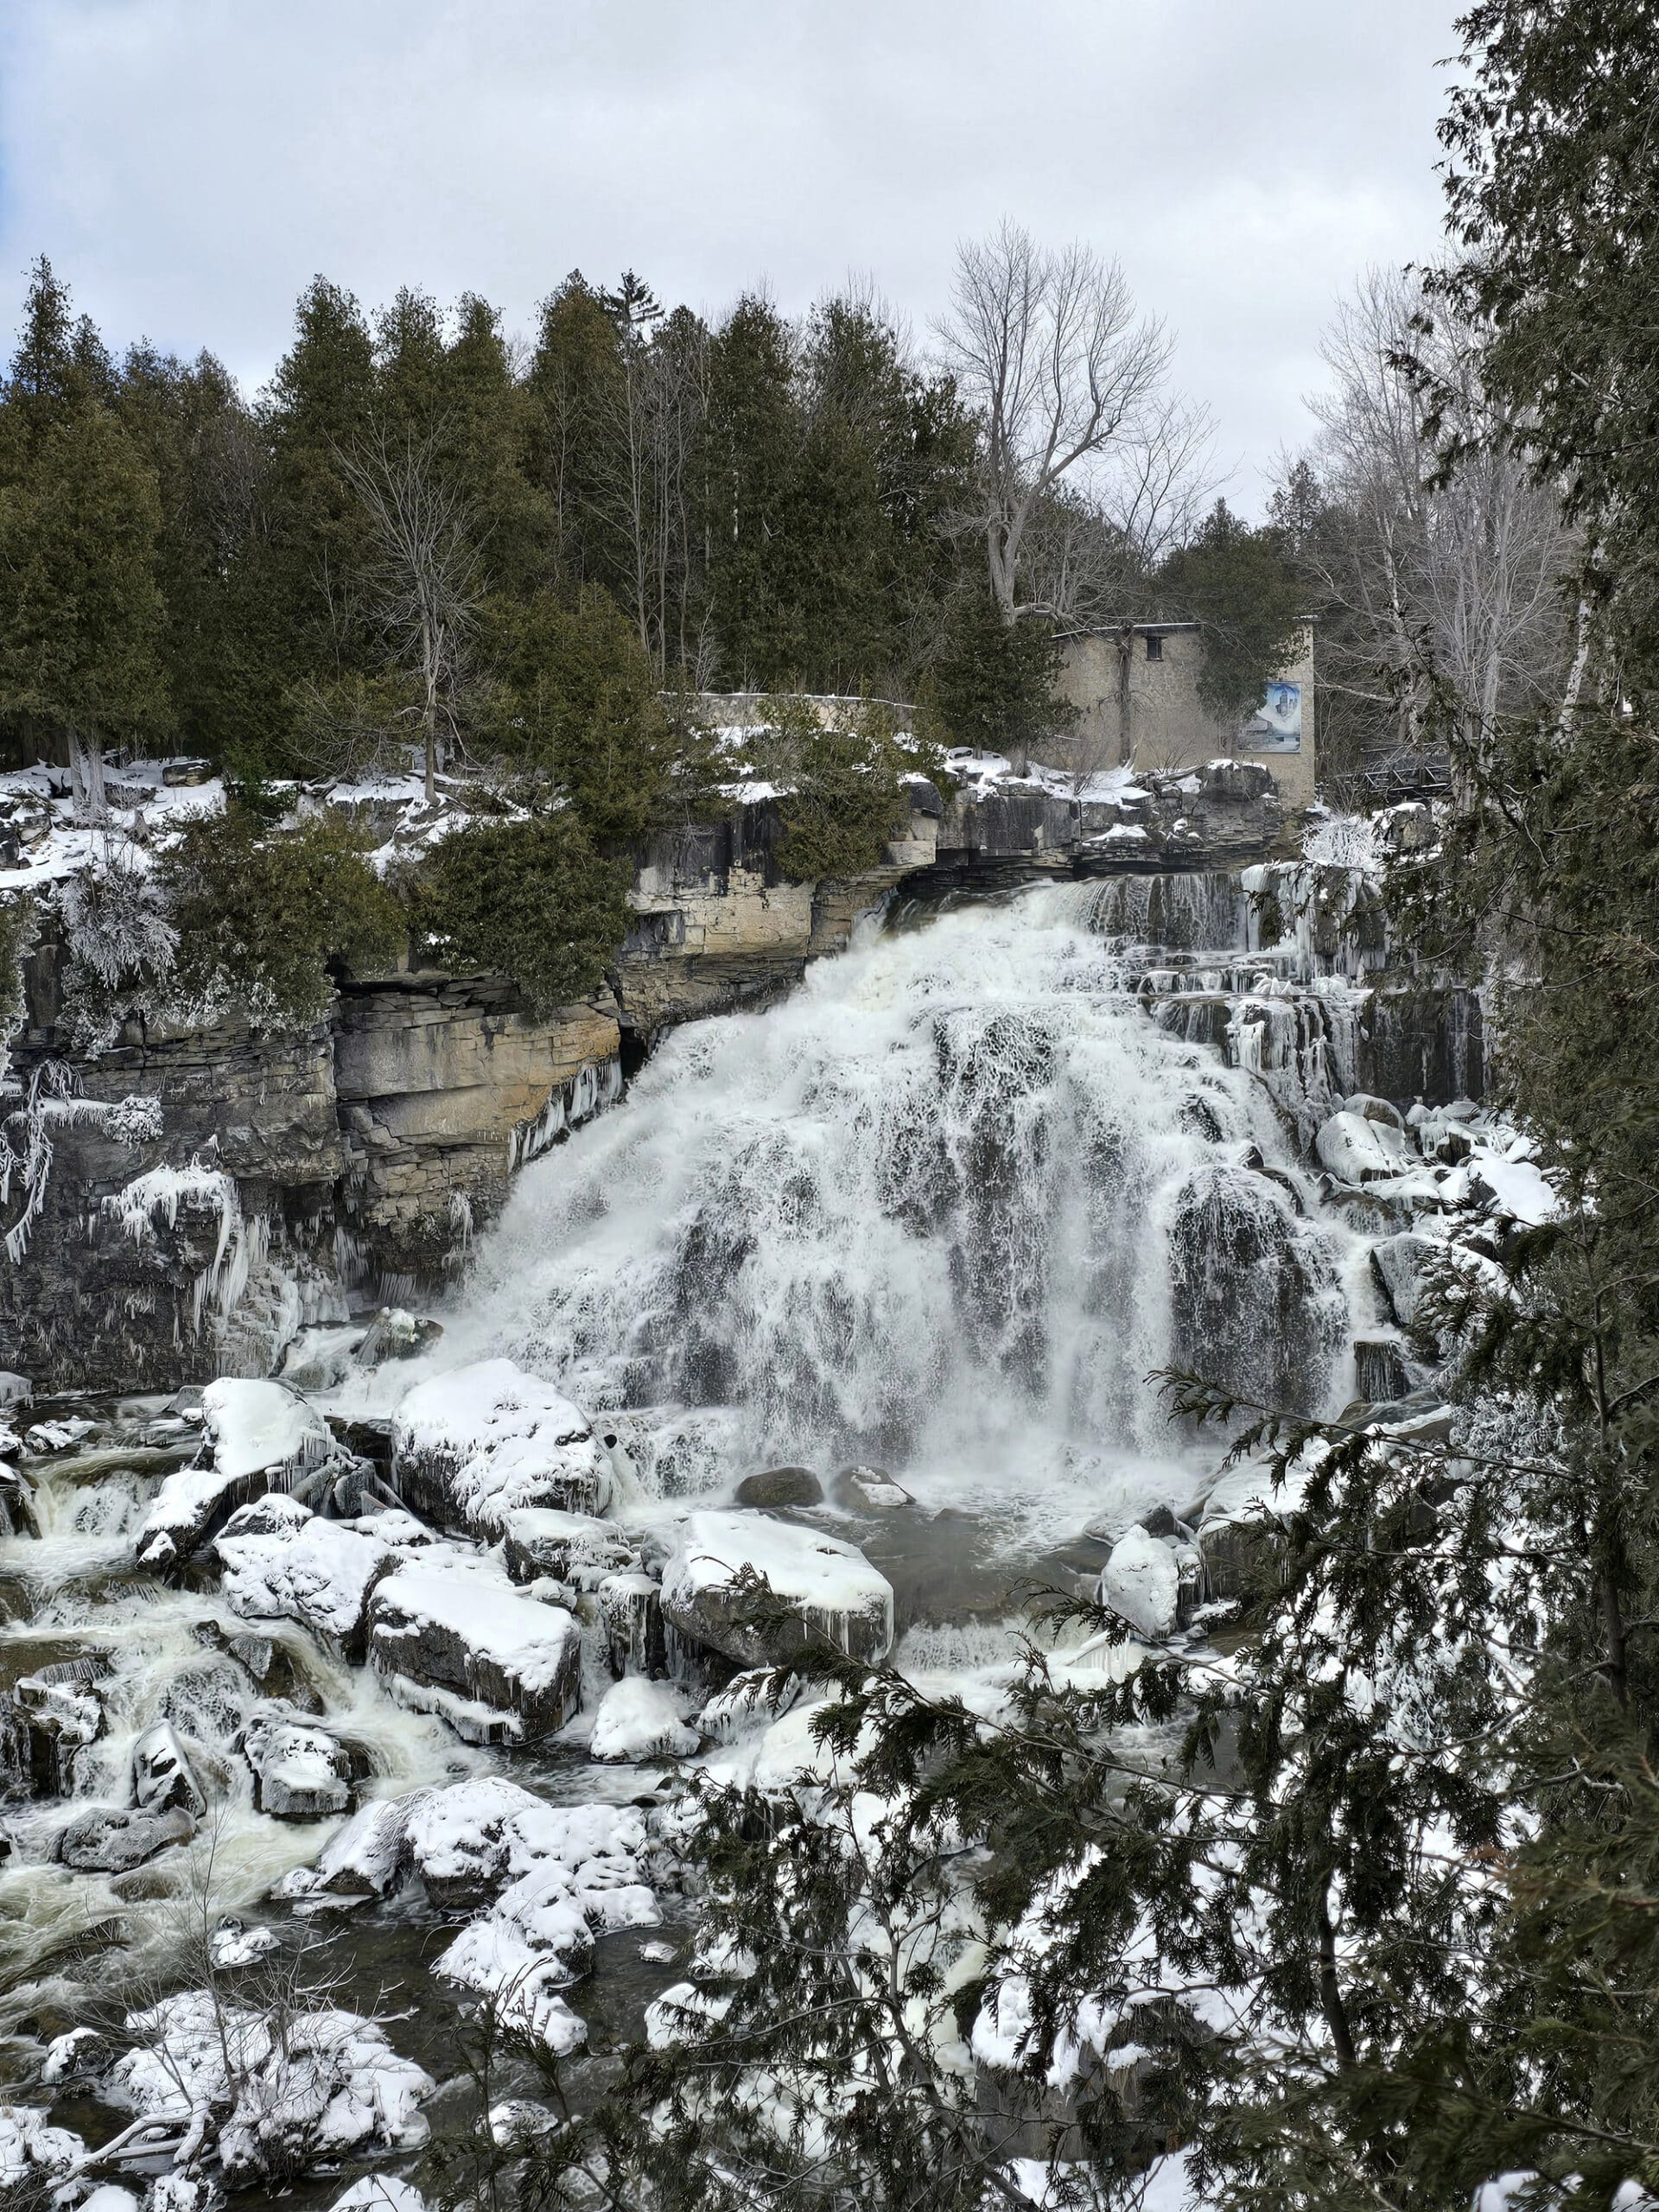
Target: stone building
[(1135, 685)]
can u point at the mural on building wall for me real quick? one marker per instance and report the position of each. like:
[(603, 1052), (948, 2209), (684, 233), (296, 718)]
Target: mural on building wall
[(1276, 725)]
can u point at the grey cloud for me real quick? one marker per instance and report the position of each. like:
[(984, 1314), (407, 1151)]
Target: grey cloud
[(190, 164)]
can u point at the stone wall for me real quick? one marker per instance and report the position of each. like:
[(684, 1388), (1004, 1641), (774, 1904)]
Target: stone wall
[(1136, 691)]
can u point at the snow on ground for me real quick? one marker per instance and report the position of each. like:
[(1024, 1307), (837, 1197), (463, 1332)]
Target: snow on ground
[(978, 773), (68, 845)]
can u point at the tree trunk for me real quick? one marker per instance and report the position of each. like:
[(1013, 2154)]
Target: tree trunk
[(429, 710)]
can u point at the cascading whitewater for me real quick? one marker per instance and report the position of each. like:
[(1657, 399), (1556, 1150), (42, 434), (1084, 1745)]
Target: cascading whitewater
[(947, 1208), (1271, 966)]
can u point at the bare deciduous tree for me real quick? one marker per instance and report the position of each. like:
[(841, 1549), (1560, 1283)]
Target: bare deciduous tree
[(1449, 576), (424, 582), (1070, 388)]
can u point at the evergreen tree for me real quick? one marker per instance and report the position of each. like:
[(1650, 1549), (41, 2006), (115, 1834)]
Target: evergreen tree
[(191, 427), (569, 390), (753, 434), (1237, 584), (81, 613), (575, 700), (317, 541)]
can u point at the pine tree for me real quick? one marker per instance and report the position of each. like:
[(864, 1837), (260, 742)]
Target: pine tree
[(1237, 584), (569, 392), (81, 613), (753, 434)]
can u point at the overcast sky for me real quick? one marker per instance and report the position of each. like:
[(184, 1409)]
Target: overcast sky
[(190, 164)]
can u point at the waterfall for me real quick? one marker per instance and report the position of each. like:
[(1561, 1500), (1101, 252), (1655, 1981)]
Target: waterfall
[(945, 1210)]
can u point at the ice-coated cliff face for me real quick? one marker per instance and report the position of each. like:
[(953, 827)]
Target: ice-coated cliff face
[(949, 1208)]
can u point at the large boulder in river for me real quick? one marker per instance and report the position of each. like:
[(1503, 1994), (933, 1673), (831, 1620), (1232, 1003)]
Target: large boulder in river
[(570, 1547), (821, 1589), (1358, 1148), (784, 1486), (454, 1636), (106, 1841), (284, 1562), (638, 1719), (1401, 1265), (302, 1770), (474, 1445), (161, 1778), (1151, 1582), (1241, 1537), (257, 1436)]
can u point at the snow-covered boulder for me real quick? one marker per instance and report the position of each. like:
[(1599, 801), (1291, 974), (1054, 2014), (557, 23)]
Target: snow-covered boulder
[(395, 1333), (710, 1590), (380, 2193), (295, 1566), (548, 1879), (454, 1636), (749, 1703), (367, 1857), (638, 1719), (49, 1436), (869, 1489), (1241, 1537), (330, 2086), (302, 1770), (574, 1547), (1145, 1582), (475, 1445), (49, 1719), (574, 1873), (1371, 1109), (160, 1773), (257, 1436), (1356, 1149), (31, 2150)]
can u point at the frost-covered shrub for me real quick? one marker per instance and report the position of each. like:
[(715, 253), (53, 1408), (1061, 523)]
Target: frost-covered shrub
[(1344, 841), (120, 943), (260, 915), (529, 899), (841, 784)]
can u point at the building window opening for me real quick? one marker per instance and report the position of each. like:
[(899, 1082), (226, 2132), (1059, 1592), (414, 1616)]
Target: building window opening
[(1155, 648)]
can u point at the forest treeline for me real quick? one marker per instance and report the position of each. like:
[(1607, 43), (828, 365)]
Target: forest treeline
[(426, 532), (423, 526)]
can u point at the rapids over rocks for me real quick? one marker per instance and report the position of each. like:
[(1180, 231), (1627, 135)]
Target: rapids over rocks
[(896, 1261)]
